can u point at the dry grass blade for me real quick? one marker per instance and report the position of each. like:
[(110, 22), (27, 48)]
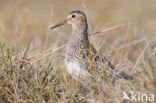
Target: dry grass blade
[(137, 62), (111, 28), (48, 53), (48, 31), (25, 53), (133, 42)]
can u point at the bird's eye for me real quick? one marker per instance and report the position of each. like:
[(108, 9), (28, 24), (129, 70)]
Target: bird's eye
[(73, 16)]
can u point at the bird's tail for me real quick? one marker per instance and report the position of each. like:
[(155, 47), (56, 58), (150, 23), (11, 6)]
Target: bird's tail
[(115, 71)]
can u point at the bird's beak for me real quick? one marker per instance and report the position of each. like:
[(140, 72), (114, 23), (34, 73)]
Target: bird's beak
[(59, 24)]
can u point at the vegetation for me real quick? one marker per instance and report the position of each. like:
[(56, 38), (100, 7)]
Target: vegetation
[(31, 56)]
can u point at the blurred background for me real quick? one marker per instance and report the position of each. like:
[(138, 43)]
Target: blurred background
[(128, 39), (22, 19)]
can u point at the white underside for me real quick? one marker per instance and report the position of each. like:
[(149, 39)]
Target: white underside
[(74, 69)]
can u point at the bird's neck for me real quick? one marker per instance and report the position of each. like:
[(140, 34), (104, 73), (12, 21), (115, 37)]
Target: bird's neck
[(79, 31)]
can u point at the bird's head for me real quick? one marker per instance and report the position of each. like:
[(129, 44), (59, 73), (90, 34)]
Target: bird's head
[(74, 17)]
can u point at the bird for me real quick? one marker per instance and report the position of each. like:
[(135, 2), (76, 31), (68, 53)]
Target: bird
[(80, 54)]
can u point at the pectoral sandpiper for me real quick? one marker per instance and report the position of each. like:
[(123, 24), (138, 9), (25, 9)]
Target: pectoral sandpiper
[(79, 52)]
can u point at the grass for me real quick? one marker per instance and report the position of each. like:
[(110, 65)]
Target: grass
[(32, 79), (32, 68)]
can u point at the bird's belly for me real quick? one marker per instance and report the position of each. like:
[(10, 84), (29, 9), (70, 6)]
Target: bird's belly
[(76, 69), (73, 68)]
